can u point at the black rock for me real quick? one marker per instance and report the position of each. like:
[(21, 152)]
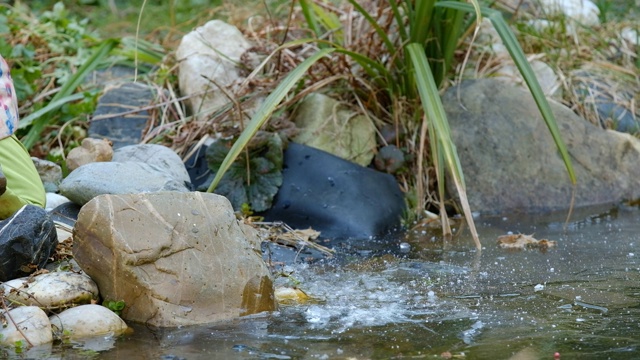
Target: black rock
[(27, 238), (336, 197), (127, 129), (66, 213)]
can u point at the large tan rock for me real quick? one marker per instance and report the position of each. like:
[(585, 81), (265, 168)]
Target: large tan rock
[(174, 258), (511, 163)]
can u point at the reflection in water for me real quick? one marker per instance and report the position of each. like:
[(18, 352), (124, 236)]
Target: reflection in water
[(579, 299)]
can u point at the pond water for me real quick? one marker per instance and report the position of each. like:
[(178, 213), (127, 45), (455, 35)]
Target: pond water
[(431, 300)]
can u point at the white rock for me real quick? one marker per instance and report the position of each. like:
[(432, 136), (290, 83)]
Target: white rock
[(85, 321), (582, 11), (33, 324), (209, 52), (630, 35), (54, 200), (51, 290)]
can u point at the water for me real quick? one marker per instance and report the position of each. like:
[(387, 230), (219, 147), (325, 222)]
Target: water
[(432, 299)]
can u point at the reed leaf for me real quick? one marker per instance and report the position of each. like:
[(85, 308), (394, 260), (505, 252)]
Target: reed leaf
[(264, 112), (445, 151)]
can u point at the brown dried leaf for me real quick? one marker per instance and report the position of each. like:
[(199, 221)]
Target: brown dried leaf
[(522, 241)]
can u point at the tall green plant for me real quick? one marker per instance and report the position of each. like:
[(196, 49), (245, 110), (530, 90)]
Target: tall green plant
[(421, 52)]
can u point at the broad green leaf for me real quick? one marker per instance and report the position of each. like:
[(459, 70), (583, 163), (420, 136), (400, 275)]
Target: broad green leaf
[(255, 180)]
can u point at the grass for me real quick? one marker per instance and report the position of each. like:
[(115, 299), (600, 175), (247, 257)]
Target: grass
[(382, 60)]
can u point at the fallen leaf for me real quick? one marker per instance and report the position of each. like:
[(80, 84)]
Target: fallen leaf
[(522, 241)]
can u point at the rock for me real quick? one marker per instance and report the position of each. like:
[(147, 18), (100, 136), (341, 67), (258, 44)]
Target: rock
[(389, 159), (85, 321), (630, 35), (335, 196), (583, 11), (173, 258), (116, 117), (91, 180), (92, 150), (206, 55), (65, 213), (33, 327), (610, 101), (327, 125), (50, 173), (51, 290), (28, 238), (511, 163), (549, 82), (54, 200), (157, 155)]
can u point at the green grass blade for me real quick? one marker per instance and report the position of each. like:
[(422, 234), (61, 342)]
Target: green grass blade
[(264, 112), (51, 106), (310, 18), (38, 124), (420, 21), (383, 35), (441, 134)]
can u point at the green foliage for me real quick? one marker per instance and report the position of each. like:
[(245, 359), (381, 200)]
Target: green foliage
[(51, 56), (251, 182), (115, 306)]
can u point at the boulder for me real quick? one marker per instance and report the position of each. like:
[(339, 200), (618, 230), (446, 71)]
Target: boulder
[(327, 125), (91, 180), (207, 59), (27, 240), (511, 163), (173, 258), (85, 321), (27, 324), (51, 290), (335, 196)]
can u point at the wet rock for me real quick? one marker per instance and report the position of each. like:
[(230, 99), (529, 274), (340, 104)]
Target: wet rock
[(92, 150), (206, 55), (156, 155), (27, 239), (116, 117), (180, 258), (50, 173), (91, 180), (33, 327), (326, 125), (335, 196), (510, 161), (52, 290), (85, 321)]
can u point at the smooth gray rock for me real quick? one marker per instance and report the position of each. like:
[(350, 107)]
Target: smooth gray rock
[(174, 258), (26, 238), (91, 180), (158, 155), (511, 163)]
